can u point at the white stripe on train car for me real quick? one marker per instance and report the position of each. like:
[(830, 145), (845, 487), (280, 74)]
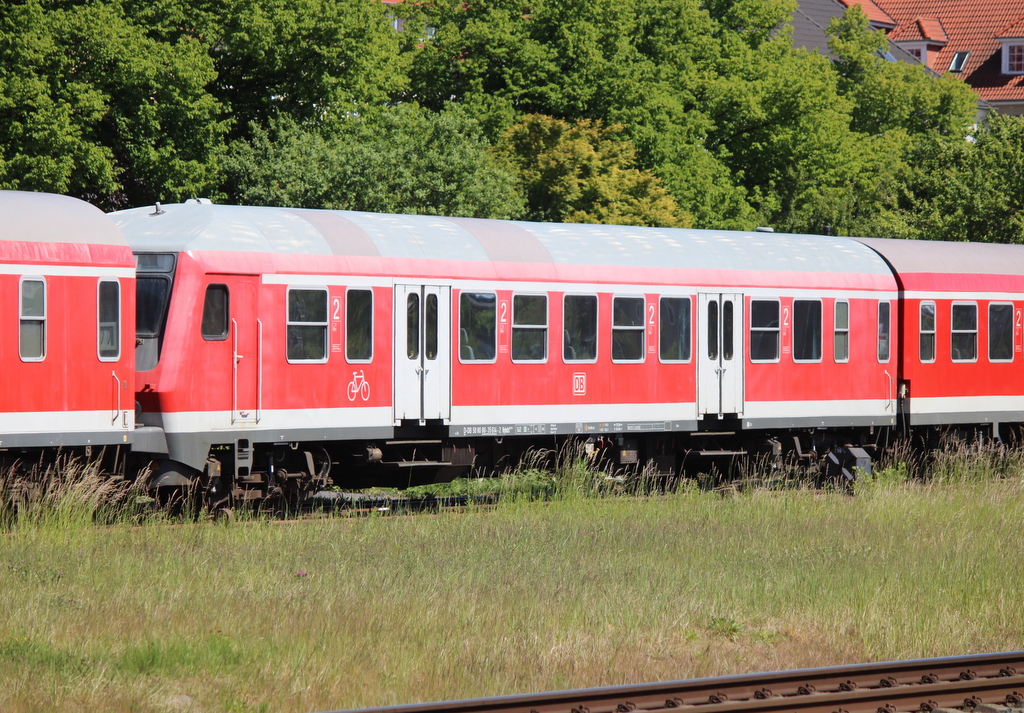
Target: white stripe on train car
[(41, 422), (489, 285), (276, 419), (47, 270)]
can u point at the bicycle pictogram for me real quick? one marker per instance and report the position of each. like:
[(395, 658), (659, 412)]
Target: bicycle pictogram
[(358, 385)]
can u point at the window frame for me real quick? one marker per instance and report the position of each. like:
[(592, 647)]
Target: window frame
[(821, 330), (934, 332), (777, 330), (952, 332), (223, 336), (689, 329), (836, 331), (1008, 48), (642, 328), (888, 333), (326, 324), (43, 320), (493, 358), (1000, 303), (99, 324), (349, 291), (531, 327), (597, 323)]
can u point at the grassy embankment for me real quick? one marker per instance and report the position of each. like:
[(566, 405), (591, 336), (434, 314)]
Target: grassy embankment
[(527, 596)]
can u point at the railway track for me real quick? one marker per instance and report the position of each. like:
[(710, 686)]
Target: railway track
[(981, 683)]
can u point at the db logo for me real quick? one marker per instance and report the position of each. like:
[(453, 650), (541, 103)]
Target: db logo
[(579, 384)]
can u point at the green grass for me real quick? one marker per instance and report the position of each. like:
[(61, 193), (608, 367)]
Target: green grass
[(577, 591)]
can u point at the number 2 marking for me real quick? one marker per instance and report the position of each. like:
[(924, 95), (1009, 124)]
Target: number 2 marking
[(337, 309), (504, 312), (650, 309)]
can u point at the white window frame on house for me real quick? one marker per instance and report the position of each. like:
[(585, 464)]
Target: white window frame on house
[(1018, 44), (920, 48)]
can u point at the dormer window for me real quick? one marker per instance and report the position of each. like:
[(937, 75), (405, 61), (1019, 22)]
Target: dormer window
[(1013, 56)]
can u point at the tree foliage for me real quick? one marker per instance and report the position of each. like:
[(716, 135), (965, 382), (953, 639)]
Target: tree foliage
[(583, 173), (92, 106), (667, 112), (400, 160)]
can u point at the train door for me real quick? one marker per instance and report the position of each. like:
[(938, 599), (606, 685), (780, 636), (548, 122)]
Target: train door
[(422, 352), (720, 353), (247, 352)]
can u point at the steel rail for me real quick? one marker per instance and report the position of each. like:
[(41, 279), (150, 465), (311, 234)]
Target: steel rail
[(891, 687)]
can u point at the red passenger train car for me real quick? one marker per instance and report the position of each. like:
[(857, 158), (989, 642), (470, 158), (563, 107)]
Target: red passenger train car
[(277, 343), (961, 342), (67, 284)]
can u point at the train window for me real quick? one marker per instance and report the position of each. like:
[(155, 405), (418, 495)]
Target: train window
[(674, 329), (579, 324), (412, 326), (628, 329), (713, 330), (884, 311), (152, 294), (1000, 332), (214, 326), (32, 310), (529, 328), (108, 333), (806, 330), (926, 344), (307, 325), (477, 326), (841, 332), (764, 330), (727, 329), (964, 332), (359, 325), (430, 326)]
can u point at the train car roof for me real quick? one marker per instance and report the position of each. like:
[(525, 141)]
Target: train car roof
[(47, 218), (201, 226), (953, 266)]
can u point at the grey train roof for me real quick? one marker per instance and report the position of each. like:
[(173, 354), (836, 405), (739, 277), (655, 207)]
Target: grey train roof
[(941, 257), (49, 218), (195, 226)]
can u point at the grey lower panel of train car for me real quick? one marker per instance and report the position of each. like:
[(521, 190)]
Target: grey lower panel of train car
[(192, 449), (64, 440), (583, 428)]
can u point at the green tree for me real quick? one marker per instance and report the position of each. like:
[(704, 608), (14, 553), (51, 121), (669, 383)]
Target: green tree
[(91, 106), (311, 60), (960, 189), (400, 160), (583, 173)]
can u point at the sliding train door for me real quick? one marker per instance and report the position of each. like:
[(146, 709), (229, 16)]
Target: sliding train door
[(422, 352), (719, 353)]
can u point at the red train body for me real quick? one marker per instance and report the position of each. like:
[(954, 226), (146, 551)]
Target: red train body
[(67, 283), (279, 350)]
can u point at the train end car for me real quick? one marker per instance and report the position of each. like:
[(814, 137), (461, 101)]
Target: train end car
[(961, 342), (67, 283)]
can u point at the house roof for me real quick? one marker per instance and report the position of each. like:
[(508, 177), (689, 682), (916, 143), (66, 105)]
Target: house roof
[(974, 26), (810, 25), (876, 15)]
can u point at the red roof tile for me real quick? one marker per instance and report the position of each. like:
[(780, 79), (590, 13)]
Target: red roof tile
[(875, 14), (973, 26)]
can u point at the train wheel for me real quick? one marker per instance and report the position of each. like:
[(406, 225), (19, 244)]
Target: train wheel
[(224, 516)]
